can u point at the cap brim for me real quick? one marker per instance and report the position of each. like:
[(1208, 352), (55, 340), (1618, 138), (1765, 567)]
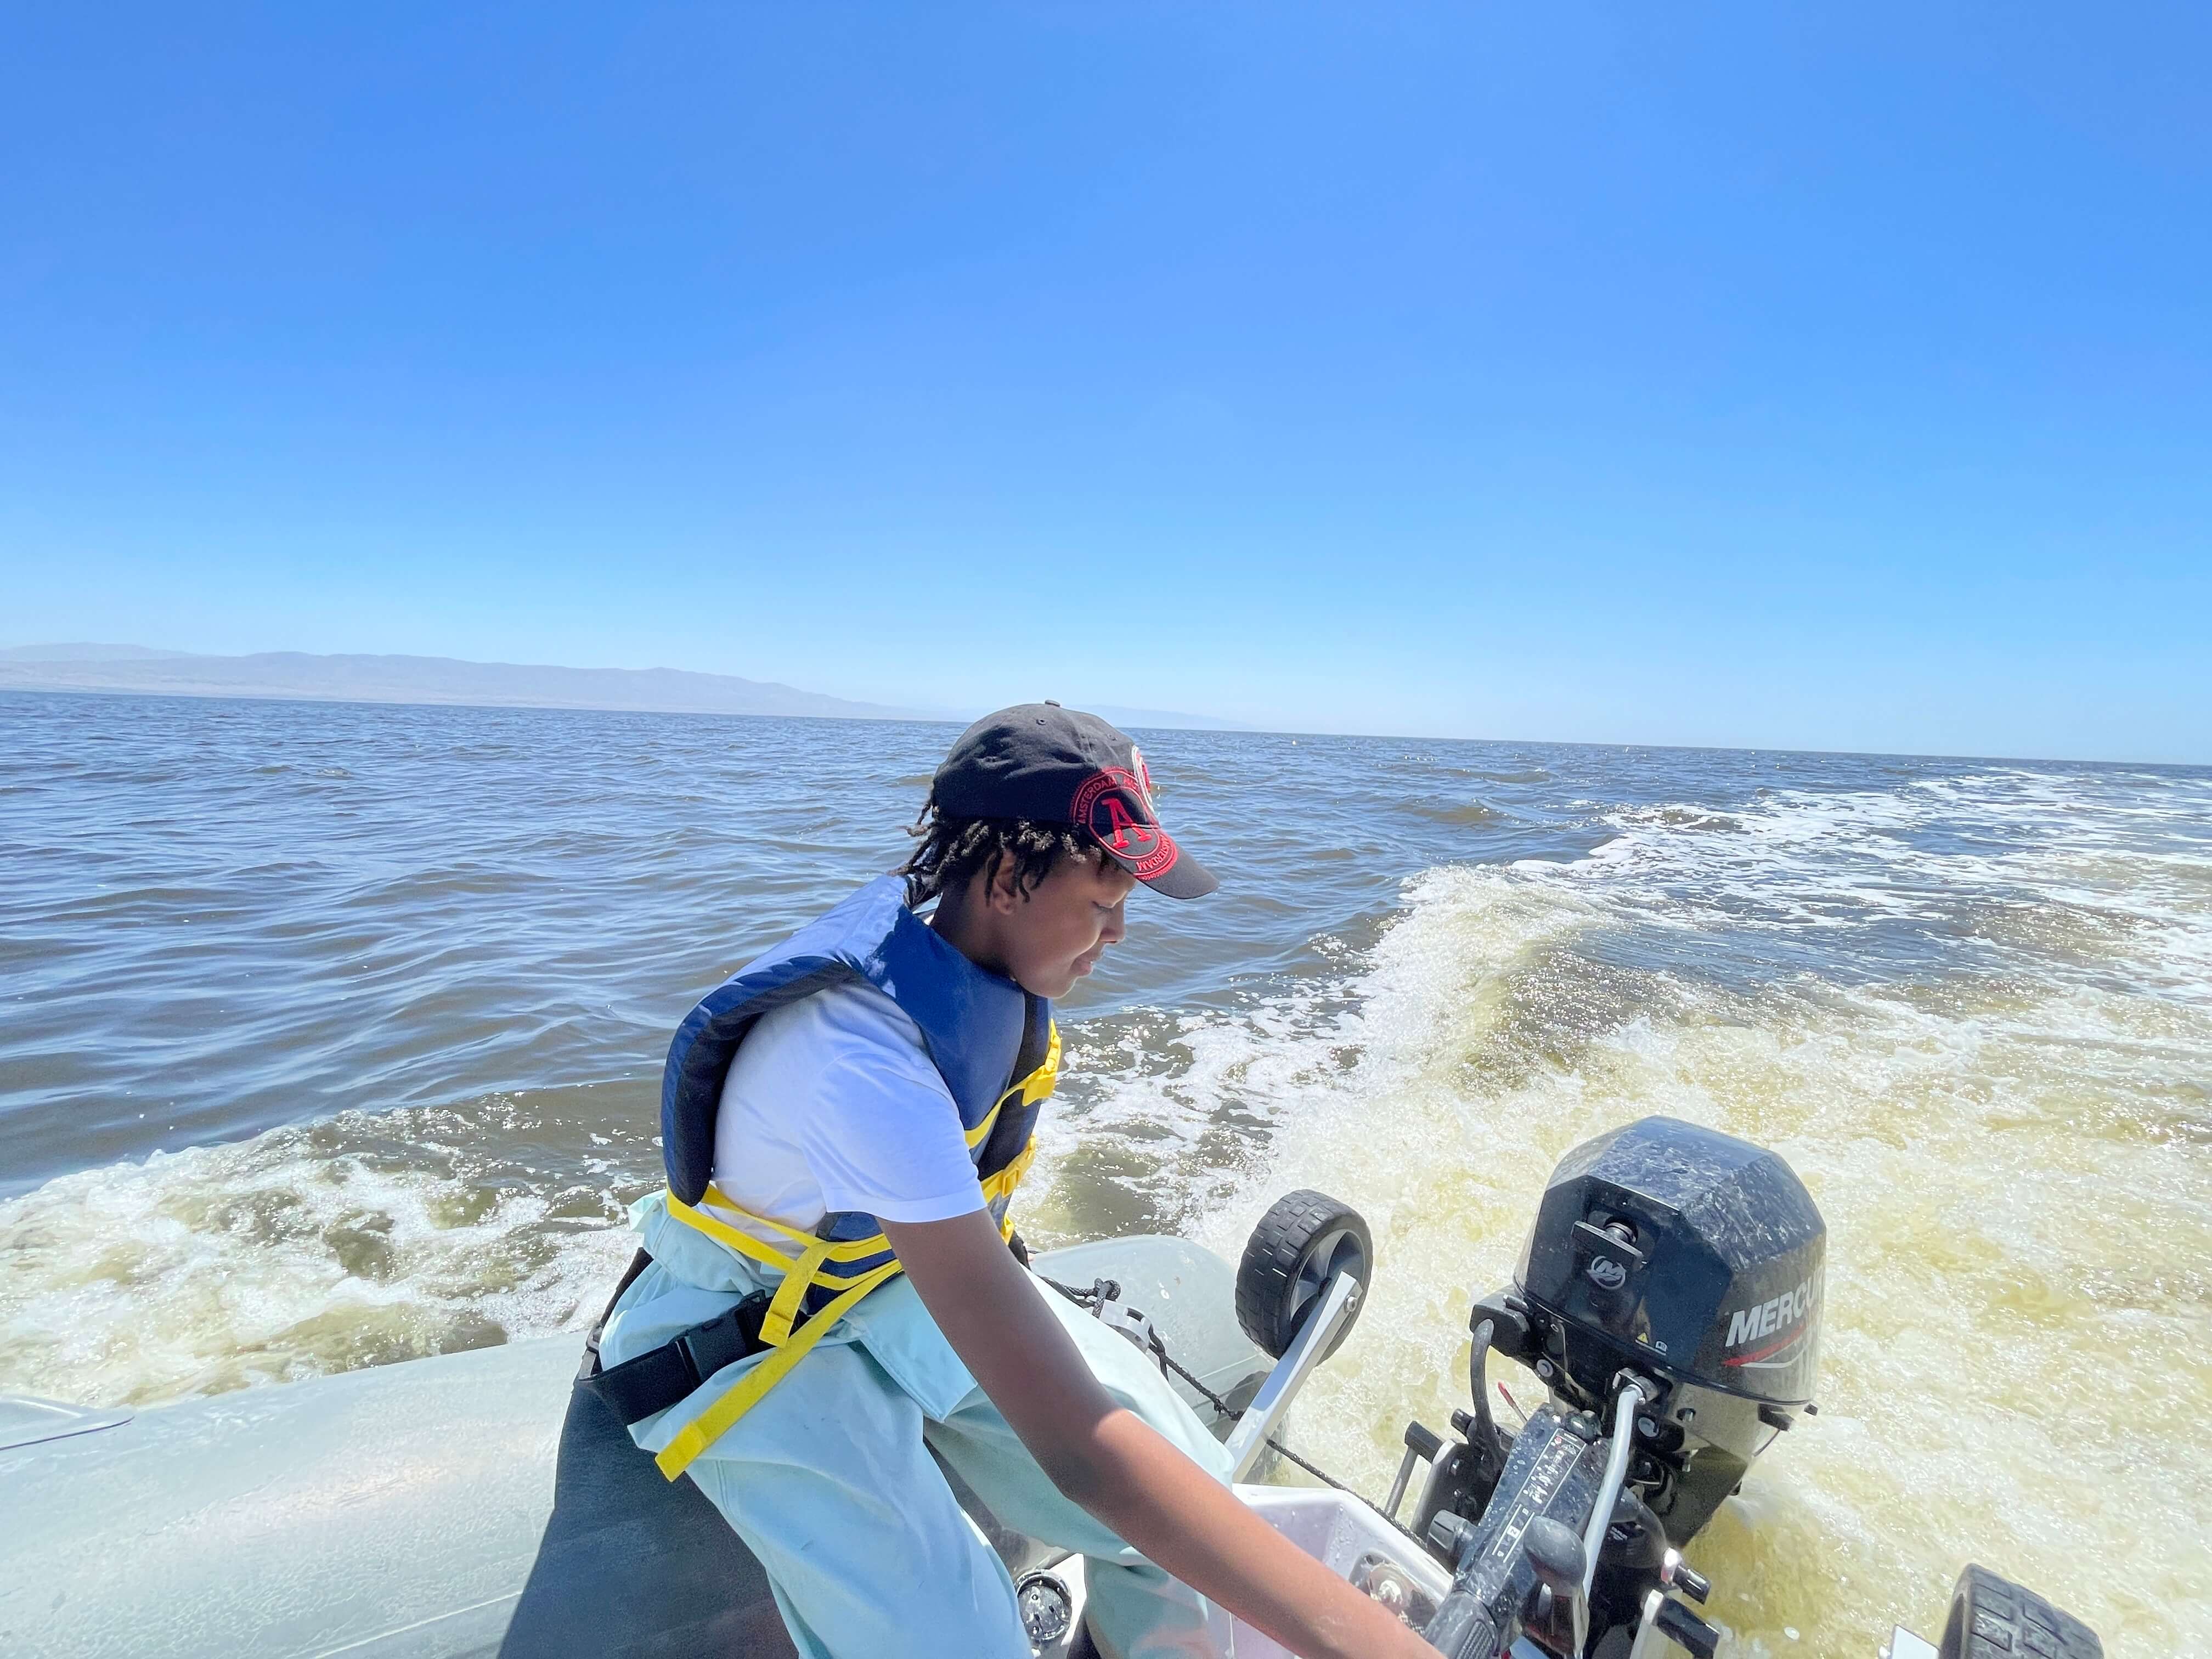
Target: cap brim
[(1180, 875)]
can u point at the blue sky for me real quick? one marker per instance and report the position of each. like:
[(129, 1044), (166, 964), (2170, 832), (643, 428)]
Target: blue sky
[(1832, 377)]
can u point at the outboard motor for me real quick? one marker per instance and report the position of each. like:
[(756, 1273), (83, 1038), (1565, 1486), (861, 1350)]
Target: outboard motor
[(1670, 1298), (1695, 1259)]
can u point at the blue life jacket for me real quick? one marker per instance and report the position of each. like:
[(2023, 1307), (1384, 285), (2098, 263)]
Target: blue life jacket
[(994, 1044), (983, 1032)]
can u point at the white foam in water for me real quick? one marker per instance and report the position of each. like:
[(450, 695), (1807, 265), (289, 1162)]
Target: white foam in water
[(364, 1239), (2014, 1161), (1989, 1055)]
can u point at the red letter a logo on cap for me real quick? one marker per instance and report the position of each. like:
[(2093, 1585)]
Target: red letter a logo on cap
[(1118, 816)]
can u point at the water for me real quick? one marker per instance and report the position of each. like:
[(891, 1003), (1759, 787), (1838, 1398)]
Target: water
[(332, 1033)]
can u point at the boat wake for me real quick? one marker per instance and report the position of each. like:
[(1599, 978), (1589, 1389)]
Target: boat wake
[(1974, 1014)]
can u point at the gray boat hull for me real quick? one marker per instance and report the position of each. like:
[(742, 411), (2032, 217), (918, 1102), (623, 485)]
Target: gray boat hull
[(470, 1504)]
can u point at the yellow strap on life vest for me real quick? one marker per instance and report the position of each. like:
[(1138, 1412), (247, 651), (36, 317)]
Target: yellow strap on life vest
[(783, 1308), (745, 1244), (1029, 1091), (704, 1430), (1002, 1184), (787, 1335)]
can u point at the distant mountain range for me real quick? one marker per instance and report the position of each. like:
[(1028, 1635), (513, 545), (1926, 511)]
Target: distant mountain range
[(357, 679)]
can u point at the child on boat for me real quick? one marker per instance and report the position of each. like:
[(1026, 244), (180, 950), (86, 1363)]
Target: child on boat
[(828, 1298)]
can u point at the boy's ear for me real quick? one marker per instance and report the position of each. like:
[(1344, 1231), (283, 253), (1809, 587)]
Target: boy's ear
[(1004, 891)]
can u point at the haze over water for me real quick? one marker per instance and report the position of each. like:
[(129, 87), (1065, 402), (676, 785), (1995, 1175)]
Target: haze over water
[(330, 1036)]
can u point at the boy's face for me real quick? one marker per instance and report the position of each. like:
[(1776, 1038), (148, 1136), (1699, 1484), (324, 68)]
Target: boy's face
[(1054, 936)]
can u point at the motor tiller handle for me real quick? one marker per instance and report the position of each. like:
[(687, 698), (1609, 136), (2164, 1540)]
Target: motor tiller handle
[(1461, 1628)]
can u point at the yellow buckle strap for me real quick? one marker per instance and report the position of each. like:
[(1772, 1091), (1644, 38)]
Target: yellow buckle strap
[(1029, 1091), (711, 1425), (801, 1270), (1002, 1184), (1039, 1084), (783, 1307), (722, 1233), (789, 1341), (745, 1244)]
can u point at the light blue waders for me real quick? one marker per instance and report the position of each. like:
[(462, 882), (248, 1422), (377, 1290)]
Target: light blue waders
[(829, 1479)]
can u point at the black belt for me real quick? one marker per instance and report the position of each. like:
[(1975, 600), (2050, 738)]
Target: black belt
[(661, 1376)]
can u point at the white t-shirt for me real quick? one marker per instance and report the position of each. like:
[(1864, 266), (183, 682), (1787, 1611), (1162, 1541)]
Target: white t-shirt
[(833, 1104)]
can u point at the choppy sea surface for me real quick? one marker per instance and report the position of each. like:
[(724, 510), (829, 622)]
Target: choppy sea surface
[(330, 1035)]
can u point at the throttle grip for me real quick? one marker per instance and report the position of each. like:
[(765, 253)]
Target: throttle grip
[(1461, 1628)]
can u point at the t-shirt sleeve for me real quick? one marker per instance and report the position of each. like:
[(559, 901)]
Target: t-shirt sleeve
[(883, 1135)]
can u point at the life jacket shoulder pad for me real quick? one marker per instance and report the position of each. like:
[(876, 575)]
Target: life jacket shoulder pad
[(973, 1022)]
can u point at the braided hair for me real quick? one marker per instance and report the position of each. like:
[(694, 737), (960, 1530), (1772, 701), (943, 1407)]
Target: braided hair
[(954, 851)]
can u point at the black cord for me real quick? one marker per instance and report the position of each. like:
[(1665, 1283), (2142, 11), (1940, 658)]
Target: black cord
[(1490, 1455), (1106, 1290), (1103, 1289)]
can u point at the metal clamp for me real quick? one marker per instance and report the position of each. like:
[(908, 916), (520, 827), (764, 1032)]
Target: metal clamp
[(1132, 1322)]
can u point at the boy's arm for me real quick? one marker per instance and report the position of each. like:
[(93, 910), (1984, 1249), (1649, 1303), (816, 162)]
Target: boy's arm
[(1110, 1462)]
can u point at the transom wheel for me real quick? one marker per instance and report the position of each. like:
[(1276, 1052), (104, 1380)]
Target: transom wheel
[(1304, 1241)]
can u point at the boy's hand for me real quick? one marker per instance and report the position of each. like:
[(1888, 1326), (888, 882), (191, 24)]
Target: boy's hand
[(1107, 1459)]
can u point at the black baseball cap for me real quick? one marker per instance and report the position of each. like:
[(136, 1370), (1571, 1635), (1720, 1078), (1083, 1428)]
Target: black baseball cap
[(1056, 765)]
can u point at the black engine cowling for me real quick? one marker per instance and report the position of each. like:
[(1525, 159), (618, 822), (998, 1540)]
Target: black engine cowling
[(1695, 1259), (1686, 1252)]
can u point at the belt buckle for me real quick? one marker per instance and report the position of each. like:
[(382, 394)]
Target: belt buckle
[(726, 1338)]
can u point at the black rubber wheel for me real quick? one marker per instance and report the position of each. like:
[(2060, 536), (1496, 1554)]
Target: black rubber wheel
[(1993, 1617), (1306, 1240)]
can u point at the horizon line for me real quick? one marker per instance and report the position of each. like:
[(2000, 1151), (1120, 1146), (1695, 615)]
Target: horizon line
[(1217, 725)]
